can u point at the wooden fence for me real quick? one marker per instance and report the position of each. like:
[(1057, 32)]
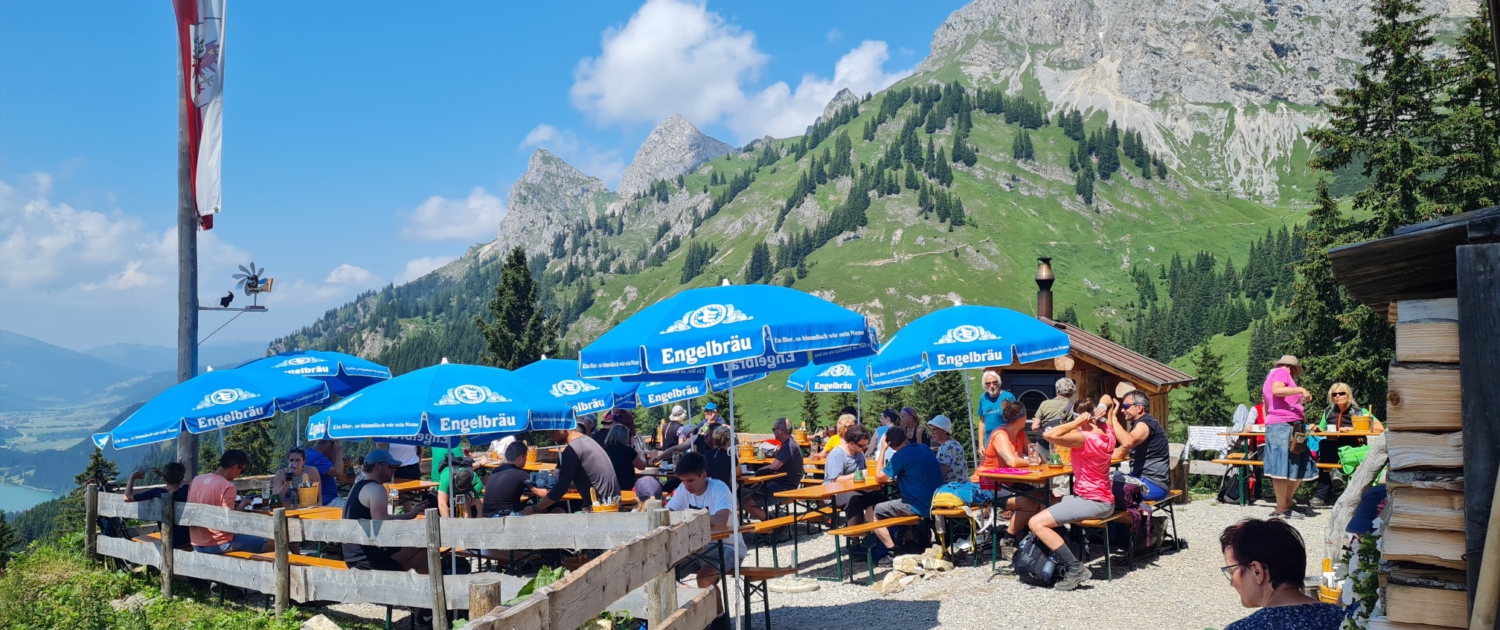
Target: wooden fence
[(642, 546)]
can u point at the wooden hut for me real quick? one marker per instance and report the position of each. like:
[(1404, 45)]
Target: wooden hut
[(1439, 282)]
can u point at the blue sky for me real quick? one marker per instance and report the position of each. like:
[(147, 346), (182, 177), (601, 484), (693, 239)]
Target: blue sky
[(367, 143)]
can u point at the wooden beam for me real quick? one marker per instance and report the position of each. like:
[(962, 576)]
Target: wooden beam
[(282, 565), (225, 519), (539, 531), (113, 504), (435, 569), (1424, 397), (169, 542), (1478, 272), (697, 614), (1432, 606), (661, 591), (259, 576), (1425, 546), (130, 550), (1425, 450), (1427, 331)]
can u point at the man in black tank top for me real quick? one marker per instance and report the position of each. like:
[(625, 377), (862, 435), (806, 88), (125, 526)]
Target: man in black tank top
[(1150, 454), (368, 501)]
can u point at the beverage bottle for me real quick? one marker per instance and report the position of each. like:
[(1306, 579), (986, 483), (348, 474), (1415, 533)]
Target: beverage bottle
[(289, 497), (393, 496)]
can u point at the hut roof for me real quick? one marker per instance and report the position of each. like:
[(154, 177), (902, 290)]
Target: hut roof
[(1415, 263), (1140, 368)]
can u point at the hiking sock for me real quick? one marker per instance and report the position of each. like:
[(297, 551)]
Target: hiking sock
[(1065, 557)]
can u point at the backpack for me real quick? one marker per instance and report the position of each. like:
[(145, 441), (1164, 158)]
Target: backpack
[(1129, 492), (1229, 485), (1034, 563), (960, 494)]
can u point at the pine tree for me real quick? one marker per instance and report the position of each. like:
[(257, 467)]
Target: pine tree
[(100, 471), (1105, 332), (520, 334), (255, 439), (1208, 402), (8, 540), (1072, 161), (759, 267), (1069, 315), (1386, 116), (1466, 135), (1028, 151), (810, 410), (912, 181), (837, 404)]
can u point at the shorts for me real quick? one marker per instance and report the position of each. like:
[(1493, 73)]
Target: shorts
[(707, 557), (893, 509), (1072, 509), (1154, 492), (1279, 461), (240, 542), (409, 471)]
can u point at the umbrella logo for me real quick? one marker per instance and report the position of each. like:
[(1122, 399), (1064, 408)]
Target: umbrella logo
[(708, 316), (966, 333), (224, 396), (837, 370), (571, 387), (471, 395), (298, 361)]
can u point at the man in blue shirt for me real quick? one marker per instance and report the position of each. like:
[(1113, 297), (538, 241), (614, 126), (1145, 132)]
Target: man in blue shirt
[(916, 472), (316, 460), (991, 406)]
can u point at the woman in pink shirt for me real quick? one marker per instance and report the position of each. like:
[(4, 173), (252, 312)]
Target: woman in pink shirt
[(1092, 443), (1283, 400)]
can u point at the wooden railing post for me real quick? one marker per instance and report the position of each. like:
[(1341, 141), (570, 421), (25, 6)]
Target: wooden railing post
[(91, 522), (484, 596), (168, 543), (283, 561), (661, 591), (435, 570)]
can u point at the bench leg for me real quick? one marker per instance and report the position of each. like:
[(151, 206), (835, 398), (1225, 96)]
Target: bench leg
[(1109, 571), (1172, 514), (869, 562)]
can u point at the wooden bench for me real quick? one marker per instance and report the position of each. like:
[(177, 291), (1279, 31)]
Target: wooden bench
[(298, 560), (1240, 461), (754, 579), (1120, 516), (861, 530), (1167, 506)]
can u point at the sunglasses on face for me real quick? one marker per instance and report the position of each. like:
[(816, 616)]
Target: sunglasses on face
[(864, 444), (1124, 406), (1339, 394)]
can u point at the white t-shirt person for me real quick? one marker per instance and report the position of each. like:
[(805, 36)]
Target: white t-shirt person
[(715, 498)]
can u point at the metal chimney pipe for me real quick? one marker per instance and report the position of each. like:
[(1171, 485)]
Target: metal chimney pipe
[(1044, 280)]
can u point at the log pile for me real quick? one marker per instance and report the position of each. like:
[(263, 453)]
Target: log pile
[(1423, 545)]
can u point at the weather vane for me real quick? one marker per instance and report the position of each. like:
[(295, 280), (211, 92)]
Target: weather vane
[(252, 282)]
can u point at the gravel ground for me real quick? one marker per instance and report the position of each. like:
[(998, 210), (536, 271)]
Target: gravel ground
[(1181, 589)]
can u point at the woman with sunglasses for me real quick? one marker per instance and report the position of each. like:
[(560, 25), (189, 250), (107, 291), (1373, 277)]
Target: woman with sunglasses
[(1339, 416), (1265, 562)]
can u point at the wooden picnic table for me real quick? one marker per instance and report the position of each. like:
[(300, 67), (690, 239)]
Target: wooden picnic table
[(411, 485), (814, 495), (748, 479), (627, 497), (1338, 434)]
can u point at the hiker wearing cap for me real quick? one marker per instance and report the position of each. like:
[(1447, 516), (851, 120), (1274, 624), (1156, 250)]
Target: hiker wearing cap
[(950, 454), (1053, 411), (1283, 401), (991, 404), (788, 460), (582, 466), (368, 501)]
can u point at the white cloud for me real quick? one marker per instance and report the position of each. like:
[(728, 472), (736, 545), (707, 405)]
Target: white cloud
[(418, 267), (834, 34), (678, 57), (606, 164), (476, 218), (349, 274)]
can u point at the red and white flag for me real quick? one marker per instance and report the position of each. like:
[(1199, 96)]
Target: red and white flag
[(200, 47)]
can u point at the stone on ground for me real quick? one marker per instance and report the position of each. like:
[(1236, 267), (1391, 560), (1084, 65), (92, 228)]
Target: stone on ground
[(319, 623), (910, 565), (892, 583)]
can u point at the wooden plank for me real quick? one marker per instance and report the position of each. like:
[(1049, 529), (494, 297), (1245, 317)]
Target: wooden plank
[(392, 588), (1201, 467), (1424, 397), (282, 564), (1478, 273), (1419, 508), (1437, 548), (1442, 310), (410, 533), (1384, 623), (1427, 342), (484, 595), (661, 591), (130, 551), (697, 614), (435, 569), (546, 531), (1425, 450), (225, 519), (1432, 606), (249, 574), (113, 504)]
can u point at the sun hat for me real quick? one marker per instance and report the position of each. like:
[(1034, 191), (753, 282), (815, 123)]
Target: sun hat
[(380, 456), (1288, 360), (710, 407), (941, 422), (678, 413)]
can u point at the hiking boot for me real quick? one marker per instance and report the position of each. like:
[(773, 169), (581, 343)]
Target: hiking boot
[(1316, 502), (1290, 515), (1007, 548), (1075, 577), (884, 562), (1305, 510)]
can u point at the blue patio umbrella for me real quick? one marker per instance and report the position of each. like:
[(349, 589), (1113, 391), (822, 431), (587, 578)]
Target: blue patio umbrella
[(966, 337), (344, 373), (445, 400), (211, 401), (672, 392), (843, 377), (713, 325), (560, 378)]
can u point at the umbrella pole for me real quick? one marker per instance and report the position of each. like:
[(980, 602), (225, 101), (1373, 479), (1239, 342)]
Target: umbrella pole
[(973, 434), (734, 491), (859, 403), (221, 440), (299, 426)]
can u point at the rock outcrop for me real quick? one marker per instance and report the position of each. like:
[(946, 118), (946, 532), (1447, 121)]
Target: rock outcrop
[(673, 148), (1227, 83), (549, 197)]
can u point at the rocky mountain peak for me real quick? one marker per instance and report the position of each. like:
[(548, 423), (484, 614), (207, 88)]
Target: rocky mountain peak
[(674, 147), (844, 97), (545, 200)]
